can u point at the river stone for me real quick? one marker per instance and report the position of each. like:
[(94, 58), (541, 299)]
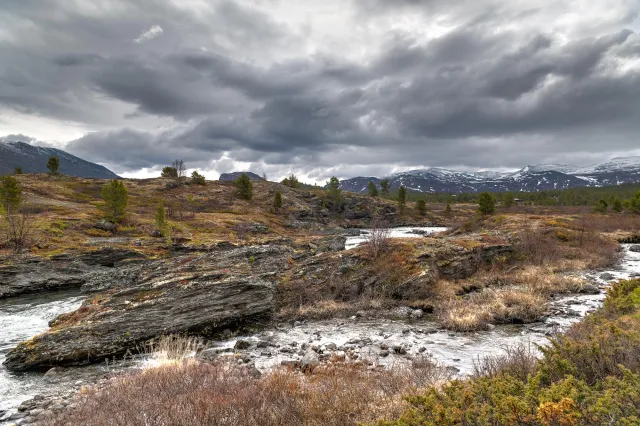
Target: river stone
[(242, 344), (200, 295), (589, 289), (635, 248), (607, 276), (309, 361)]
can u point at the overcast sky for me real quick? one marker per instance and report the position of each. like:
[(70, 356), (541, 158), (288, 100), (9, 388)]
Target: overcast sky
[(321, 88)]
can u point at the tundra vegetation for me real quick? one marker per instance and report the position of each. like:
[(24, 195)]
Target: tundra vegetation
[(486, 269)]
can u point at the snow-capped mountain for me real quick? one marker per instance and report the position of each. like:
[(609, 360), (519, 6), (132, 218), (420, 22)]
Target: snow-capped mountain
[(33, 159), (540, 177)]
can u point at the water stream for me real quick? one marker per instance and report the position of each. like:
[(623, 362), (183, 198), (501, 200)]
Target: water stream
[(20, 319), (370, 338)]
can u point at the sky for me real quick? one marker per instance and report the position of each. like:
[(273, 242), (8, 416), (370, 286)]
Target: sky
[(337, 87)]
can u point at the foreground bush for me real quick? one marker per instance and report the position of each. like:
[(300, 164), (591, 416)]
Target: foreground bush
[(588, 376), (226, 394)]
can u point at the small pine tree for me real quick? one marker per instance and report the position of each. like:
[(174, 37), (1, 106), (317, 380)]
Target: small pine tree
[(507, 200), (198, 179), (447, 210), (421, 206), (116, 198), (633, 204), (161, 220), (17, 171), (385, 187), (601, 206), (169, 172), (10, 193), (486, 204), (372, 189), (291, 181), (53, 165), (277, 201), (402, 198), (617, 205), (244, 187), (334, 194)]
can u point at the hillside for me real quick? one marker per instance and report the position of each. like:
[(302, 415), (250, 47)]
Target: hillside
[(33, 159), (528, 179), (66, 211)]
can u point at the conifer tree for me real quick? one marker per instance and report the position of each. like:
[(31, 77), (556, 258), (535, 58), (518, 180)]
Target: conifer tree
[(507, 200), (244, 187), (486, 204), (169, 172), (402, 198), (197, 178), (421, 206), (372, 189), (277, 201), (161, 221), (53, 165), (385, 187), (617, 205), (10, 193), (116, 198)]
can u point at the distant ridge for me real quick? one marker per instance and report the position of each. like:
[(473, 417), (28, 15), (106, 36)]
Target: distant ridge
[(235, 175), (542, 177), (33, 159)]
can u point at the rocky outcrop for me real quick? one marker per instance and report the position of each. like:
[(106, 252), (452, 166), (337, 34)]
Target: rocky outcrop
[(93, 270), (201, 295), (109, 256), (32, 274)]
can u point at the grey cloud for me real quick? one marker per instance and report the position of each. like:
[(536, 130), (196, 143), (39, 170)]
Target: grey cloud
[(236, 82)]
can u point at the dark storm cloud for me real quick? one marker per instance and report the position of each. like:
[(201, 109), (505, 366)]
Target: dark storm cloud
[(239, 82)]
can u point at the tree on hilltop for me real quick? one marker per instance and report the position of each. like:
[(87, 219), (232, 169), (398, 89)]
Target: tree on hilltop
[(53, 165), (372, 189), (244, 187)]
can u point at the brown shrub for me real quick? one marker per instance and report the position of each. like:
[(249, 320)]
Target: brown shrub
[(225, 394), (378, 241), (518, 361), (479, 309)]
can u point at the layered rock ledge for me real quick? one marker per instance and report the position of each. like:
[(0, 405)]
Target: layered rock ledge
[(196, 294)]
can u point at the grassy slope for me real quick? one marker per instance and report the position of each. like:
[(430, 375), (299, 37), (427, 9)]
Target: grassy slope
[(65, 210)]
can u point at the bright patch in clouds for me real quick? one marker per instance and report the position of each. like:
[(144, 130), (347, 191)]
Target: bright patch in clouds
[(150, 34)]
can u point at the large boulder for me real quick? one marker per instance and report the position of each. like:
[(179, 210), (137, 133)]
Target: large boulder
[(201, 295)]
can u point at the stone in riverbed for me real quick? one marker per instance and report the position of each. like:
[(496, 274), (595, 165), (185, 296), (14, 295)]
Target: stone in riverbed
[(309, 361), (242, 344), (589, 289), (635, 248), (607, 276)]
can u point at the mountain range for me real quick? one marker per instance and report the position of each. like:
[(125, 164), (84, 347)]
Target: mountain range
[(541, 177), (33, 159)]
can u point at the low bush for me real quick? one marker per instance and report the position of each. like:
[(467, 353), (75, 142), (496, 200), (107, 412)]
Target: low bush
[(227, 394), (587, 376)]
